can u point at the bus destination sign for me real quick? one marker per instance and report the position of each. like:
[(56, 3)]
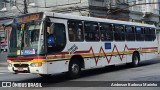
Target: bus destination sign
[(29, 17)]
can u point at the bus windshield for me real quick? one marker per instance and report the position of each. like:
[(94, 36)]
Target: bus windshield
[(25, 39)]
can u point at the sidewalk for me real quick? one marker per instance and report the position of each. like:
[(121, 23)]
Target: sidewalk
[(3, 61)]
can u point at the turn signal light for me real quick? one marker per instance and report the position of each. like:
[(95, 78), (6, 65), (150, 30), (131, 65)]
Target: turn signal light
[(36, 64)]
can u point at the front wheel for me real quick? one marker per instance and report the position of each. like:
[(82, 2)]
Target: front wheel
[(74, 69)]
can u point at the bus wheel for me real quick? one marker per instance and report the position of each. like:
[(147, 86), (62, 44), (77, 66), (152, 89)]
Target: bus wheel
[(135, 59), (45, 75), (74, 69)]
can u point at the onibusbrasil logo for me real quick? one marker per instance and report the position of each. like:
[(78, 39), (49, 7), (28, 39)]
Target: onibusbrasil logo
[(19, 84)]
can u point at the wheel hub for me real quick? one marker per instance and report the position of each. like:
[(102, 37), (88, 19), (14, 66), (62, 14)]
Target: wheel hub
[(136, 60), (75, 68)]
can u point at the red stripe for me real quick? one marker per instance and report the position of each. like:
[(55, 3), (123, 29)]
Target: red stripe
[(132, 48), (78, 52), (143, 48), (26, 58)]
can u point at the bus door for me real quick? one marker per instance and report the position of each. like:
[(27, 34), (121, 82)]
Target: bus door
[(56, 45)]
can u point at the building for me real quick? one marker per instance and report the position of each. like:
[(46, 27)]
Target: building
[(146, 12), (17, 7), (76, 7), (112, 9)]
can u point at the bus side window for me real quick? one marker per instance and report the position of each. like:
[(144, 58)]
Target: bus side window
[(119, 33), (147, 34), (91, 31), (142, 34), (106, 32), (152, 36), (139, 34), (130, 36), (75, 30)]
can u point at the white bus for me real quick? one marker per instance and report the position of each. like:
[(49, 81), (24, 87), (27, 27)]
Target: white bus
[(49, 43)]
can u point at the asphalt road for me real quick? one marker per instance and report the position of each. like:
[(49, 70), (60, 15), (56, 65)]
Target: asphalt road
[(91, 79)]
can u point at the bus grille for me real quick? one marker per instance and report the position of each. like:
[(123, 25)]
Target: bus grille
[(21, 65)]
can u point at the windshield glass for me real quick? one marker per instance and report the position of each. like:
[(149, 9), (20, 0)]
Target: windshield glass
[(26, 39)]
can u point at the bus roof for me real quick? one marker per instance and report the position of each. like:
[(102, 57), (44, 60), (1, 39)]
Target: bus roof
[(76, 17)]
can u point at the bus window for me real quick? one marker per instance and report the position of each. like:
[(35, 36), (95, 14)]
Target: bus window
[(152, 36), (130, 36), (106, 32), (147, 34), (119, 33), (75, 30), (139, 34), (91, 31)]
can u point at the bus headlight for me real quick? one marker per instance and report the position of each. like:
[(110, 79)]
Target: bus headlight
[(9, 65), (36, 64)]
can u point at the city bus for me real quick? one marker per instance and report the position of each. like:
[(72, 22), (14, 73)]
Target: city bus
[(48, 43)]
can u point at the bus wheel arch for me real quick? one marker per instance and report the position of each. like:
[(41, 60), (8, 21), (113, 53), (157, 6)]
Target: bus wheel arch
[(75, 65), (79, 59), (135, 58)]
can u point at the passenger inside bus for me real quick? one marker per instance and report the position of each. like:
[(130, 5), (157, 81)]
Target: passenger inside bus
[(96, 37)]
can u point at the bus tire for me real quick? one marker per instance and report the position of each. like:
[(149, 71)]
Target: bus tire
[(45, 75), (74, 69), (135, 60)]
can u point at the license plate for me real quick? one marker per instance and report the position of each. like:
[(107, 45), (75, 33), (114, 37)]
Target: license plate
[(20, 69)]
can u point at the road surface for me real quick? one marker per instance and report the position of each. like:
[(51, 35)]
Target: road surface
[(91, 79)]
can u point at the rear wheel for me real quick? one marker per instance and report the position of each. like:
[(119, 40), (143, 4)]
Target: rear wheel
[(74, 69)]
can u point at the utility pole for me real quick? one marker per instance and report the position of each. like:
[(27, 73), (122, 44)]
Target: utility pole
[(25, 7), (45, 3)]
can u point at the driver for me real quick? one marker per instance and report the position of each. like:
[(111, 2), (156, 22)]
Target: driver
[(50, 39), (50, 36)]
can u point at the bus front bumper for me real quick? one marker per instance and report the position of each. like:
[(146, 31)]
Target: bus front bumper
[(34, 68)]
